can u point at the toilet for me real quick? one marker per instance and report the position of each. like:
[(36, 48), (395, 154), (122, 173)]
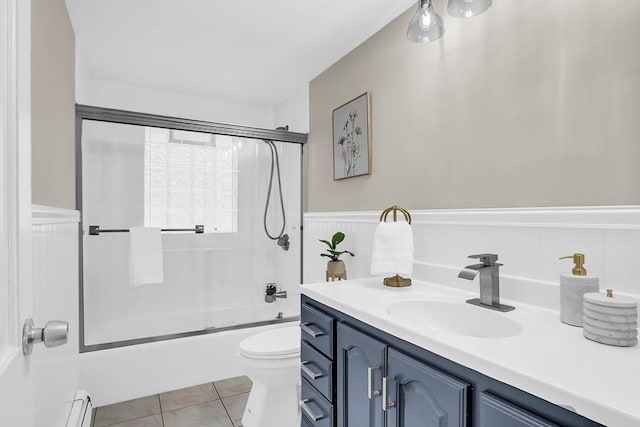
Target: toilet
[(272, 360)]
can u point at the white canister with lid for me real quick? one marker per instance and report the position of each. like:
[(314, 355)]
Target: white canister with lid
[(610, 319)]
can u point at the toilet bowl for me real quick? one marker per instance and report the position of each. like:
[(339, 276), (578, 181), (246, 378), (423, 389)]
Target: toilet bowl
[(272, 360)]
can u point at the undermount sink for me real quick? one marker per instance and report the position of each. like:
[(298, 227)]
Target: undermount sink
[(457, 318)]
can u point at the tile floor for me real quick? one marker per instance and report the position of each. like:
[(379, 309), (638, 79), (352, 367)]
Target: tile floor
[(217, 404)]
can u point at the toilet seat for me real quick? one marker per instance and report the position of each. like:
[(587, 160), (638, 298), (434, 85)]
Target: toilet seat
[(280, 343)]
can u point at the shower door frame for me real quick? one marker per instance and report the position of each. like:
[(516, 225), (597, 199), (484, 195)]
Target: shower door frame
[(87, 112)]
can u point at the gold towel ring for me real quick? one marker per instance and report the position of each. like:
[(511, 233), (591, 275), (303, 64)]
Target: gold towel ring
[(396, 281), (395, 209)]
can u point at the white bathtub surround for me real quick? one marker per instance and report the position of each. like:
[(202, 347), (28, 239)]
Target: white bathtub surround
[(54, 234), (529, 242), (126, 373), (539, 355)]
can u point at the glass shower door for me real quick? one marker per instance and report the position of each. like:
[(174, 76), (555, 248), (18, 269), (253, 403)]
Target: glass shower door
[(134, 176)]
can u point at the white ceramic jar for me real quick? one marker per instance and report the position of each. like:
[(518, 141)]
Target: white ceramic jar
[(610, 319)]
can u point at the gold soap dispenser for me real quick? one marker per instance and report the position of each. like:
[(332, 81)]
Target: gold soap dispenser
[(572, 288)]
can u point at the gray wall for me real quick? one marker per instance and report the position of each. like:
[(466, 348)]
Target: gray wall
[(534, 103), (52, 105)]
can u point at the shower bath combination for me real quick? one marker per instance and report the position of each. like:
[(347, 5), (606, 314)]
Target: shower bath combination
[(136, 169), (282, 238), (203, 173)]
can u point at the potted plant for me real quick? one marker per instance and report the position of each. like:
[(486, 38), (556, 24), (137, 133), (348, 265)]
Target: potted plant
[(335, 266)]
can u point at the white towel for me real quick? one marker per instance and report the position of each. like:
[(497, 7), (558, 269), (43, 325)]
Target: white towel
[(145, 256), (392, 249)]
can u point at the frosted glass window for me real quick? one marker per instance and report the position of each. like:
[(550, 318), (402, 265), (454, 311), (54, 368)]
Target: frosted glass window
[(190, 178)]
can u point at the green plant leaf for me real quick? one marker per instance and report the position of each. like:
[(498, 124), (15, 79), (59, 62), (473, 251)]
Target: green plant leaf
[(337, 238), (333, 258), (338, 253), (326, 242)]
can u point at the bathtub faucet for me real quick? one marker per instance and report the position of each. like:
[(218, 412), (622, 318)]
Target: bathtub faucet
[(270, 293)]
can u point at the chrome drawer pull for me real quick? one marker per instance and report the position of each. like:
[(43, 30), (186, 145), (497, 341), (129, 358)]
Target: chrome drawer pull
[(305, 327), (371, 393), (309, 372), (309, 412), (385, 393)]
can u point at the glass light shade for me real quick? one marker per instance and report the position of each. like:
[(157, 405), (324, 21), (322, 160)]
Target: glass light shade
[(426, 25), (467, 8)]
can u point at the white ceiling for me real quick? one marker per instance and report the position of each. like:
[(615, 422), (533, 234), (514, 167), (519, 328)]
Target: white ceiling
[(253, 51)]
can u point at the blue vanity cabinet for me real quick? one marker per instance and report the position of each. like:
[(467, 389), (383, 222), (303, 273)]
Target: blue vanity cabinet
[(419, 396), (317, 329), (497, 412), (317, 366), (360, 361), (316, 410), (425, 388), (317, 369)]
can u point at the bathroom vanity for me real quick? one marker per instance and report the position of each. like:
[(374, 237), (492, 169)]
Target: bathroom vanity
[(418, 356)]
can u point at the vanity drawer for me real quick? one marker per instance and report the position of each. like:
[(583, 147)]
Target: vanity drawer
[(317, 329), (497, 412), (317, 369), (316, 410)]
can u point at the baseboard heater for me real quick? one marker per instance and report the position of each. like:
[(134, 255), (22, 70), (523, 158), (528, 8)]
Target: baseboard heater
[(81, 410)]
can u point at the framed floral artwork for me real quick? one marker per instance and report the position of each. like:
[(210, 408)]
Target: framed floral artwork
[(352, 139)]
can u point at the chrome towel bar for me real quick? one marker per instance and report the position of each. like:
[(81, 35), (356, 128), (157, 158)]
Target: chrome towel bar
[(95, 230)]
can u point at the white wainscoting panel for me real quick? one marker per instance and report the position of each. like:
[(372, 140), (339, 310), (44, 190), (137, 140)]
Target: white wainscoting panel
[(528, 242), (55, 285)]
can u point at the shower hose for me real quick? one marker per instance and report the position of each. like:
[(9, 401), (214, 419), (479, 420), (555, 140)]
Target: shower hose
[(282, 238)]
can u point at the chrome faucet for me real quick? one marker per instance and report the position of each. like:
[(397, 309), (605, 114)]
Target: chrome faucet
[(270, 293), (489, 282)]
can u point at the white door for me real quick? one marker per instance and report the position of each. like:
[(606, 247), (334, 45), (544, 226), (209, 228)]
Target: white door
[(16, 383)]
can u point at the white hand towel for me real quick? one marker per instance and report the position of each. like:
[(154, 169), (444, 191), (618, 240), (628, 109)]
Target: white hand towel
[(392, 249), (145, 256)]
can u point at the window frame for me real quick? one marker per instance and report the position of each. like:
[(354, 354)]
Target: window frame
[(169, 168)]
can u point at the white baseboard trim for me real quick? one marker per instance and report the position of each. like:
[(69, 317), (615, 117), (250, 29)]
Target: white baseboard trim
[(601, 217)]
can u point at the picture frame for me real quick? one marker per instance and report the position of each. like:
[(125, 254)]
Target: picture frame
[(351, 124)]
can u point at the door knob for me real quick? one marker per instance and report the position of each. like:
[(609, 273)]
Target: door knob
[(54, 333)]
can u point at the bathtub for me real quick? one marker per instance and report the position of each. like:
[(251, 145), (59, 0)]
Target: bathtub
[(133, 371), (101, 333)]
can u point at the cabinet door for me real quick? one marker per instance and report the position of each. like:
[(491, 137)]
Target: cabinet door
[(497, 412), (421, 396), (360, 367)]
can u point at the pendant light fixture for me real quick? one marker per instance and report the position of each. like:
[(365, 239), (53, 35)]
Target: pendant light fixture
[(426, 25), (467, 8)]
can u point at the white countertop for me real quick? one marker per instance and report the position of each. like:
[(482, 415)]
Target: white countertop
[(548, 359)]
